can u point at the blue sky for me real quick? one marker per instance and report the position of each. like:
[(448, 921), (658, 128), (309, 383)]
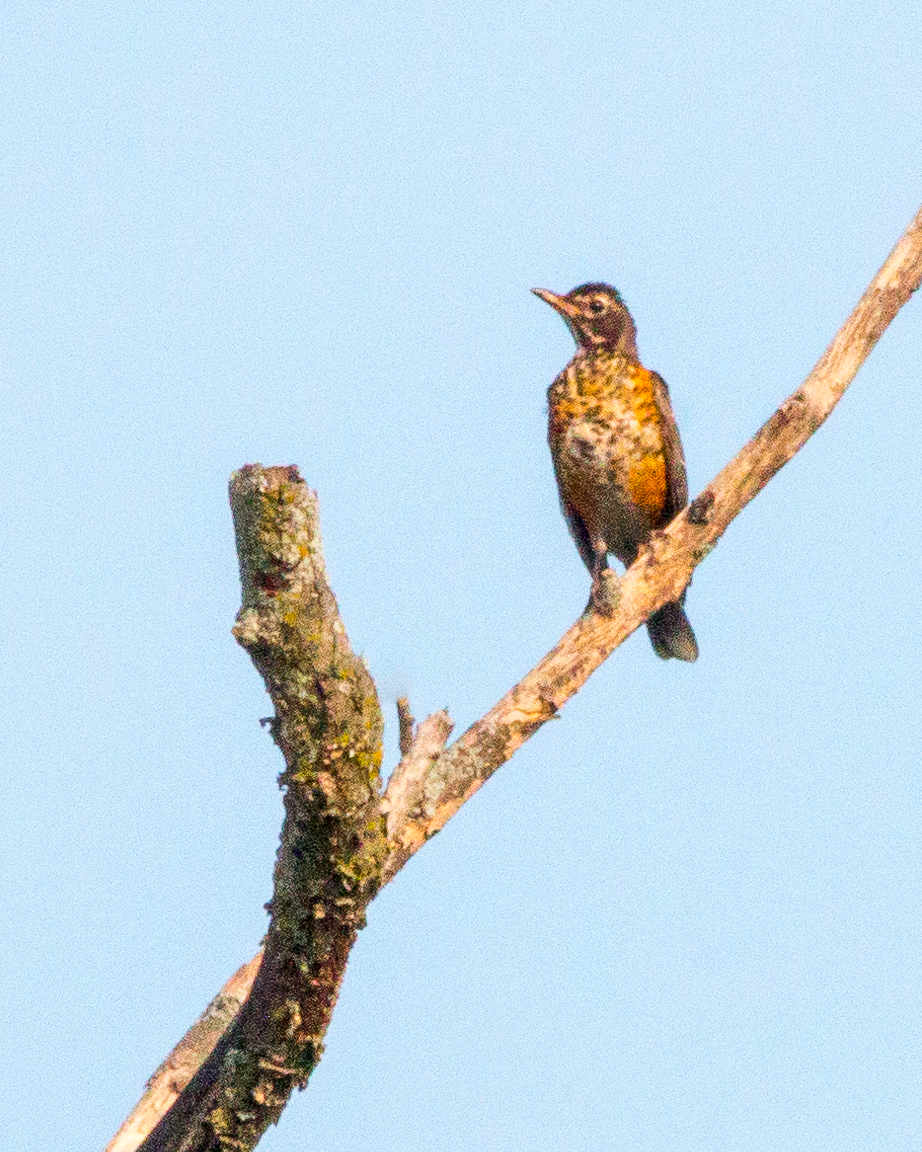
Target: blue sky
[(686, 916)]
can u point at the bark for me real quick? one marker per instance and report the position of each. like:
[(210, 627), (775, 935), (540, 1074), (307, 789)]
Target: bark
[(328, 726)]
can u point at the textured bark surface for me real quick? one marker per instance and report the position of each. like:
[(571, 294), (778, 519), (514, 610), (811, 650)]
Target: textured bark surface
[(328, 726)]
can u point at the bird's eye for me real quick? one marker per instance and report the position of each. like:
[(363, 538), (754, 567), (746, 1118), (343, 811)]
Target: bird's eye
[(597, 306)]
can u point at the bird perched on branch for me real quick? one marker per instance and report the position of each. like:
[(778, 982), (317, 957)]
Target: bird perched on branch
[(616, 450)]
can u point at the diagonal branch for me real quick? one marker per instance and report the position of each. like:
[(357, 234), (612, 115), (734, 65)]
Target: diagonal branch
[(167, 1083), (430, 784), (663, 570)]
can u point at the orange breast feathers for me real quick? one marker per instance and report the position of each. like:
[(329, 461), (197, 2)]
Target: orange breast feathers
[(646, 470), (614, 406)]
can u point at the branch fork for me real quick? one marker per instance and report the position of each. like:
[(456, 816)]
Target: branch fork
[(342, 839)]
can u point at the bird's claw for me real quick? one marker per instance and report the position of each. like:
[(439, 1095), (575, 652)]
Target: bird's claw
[(606, 593)]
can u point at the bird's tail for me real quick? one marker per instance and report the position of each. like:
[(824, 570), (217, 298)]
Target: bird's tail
[(671, 634)]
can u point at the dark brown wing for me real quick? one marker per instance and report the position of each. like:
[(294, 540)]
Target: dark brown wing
[(676, 480)]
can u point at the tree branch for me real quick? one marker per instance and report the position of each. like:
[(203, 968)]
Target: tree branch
[(663, 570), (334, 855), (166, 1084), (328, 726)]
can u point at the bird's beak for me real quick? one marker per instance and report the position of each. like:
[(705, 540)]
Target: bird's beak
[(560, 304)]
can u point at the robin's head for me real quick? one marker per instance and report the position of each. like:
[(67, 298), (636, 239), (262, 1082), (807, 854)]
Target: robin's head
[(597, 317)]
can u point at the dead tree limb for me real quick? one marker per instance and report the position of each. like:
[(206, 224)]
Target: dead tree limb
[(329, 727), (168, 1082), (662, 571), (335, 852)]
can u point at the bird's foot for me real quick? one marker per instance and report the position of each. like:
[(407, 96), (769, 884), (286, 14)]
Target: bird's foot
[(606, 593)]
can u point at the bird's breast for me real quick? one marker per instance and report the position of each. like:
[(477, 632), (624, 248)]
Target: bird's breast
[(606, 435)]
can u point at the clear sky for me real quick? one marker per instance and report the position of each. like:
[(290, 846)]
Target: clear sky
[(687, 915)]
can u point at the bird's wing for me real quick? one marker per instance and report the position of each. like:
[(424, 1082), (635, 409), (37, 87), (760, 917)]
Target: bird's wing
[(575, 522), (676, 480)]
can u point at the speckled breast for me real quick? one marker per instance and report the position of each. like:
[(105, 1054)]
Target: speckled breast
[(606, 438)]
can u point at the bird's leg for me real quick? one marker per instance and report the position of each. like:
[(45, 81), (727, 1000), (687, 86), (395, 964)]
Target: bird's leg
[(606, 587)]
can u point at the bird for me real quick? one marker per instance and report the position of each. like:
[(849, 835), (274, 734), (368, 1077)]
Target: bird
[(616, 451)]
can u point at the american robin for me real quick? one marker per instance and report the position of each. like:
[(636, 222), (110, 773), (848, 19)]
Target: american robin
[(616, 449)]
